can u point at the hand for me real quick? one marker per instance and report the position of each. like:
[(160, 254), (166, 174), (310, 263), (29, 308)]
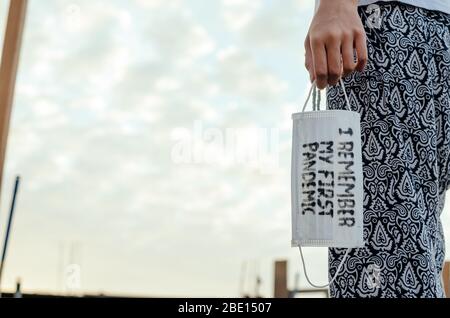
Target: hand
[(335, 34)]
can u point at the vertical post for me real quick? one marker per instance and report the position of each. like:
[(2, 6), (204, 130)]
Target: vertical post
[(280, 285), (8, 229), (18, 293), (446, 279), (8, 70)]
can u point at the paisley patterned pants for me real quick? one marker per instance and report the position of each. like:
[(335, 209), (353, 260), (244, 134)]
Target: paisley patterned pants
[(404, 101)]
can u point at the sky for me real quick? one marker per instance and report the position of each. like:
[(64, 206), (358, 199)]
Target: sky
[(153, 140)]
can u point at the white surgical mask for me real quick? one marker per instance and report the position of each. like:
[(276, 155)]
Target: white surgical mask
[(327, 180)]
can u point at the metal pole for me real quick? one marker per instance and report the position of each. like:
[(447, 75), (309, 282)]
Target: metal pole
[(8, 229), (8, 70)]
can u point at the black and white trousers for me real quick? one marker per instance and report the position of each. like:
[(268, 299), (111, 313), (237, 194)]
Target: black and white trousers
[(403, 97)]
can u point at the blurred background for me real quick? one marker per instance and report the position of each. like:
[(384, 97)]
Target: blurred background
[(153, 140)]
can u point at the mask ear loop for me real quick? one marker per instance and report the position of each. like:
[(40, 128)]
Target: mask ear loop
[(308, 97), (347, 101), (335, 275), (314, 98), (317, 99)]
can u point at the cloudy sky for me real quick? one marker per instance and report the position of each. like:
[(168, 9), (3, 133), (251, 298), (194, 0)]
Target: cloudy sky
[(153, 139)]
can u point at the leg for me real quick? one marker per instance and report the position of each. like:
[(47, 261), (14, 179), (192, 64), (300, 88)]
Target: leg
[(403, 98)]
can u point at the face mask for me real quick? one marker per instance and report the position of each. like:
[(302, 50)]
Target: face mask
[(327, 180)]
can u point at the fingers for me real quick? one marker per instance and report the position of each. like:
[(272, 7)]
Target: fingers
[(348, 57), (309, 60), (334, 61), (319, 55), (330, 56), (361, 50)]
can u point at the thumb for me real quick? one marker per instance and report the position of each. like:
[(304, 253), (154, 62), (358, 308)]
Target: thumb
[(309, 60)]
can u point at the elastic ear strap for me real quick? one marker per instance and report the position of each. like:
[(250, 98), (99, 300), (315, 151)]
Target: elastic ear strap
[(314, 98), (335, 275), (314, 86), (319, 97), (347, 101)]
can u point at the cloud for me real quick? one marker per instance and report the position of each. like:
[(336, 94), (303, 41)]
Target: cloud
[(241, 76), (239, 13)]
